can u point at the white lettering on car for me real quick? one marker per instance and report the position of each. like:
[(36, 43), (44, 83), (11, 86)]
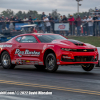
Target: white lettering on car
[(26, 52), (6, 46)]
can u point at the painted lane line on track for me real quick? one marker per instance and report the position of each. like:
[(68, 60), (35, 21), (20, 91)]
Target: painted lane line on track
[(51, 87)]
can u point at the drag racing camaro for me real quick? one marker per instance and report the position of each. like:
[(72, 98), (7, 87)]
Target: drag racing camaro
[(47, 51)]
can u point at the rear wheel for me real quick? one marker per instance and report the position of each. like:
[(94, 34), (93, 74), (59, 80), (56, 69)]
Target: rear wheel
[(6, 61), (88, 67), (50, 62), (40, 67)]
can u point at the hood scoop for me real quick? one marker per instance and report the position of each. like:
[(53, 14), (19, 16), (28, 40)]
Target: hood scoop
[(77, 43)]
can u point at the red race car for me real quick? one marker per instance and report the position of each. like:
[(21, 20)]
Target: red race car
[(47, 51)]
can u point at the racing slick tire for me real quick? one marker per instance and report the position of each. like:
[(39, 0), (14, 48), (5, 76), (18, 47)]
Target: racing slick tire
[(50, 63), (6, 61), (40, 67), (88, 67)]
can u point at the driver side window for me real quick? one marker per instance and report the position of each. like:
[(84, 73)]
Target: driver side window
[(28, 39)]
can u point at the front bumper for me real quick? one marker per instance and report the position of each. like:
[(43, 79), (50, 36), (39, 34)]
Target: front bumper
[(70, 58)]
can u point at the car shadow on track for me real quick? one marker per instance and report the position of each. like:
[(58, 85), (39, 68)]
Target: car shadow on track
[(31, 69)]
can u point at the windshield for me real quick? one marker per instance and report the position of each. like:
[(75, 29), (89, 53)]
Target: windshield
[(49, 38)]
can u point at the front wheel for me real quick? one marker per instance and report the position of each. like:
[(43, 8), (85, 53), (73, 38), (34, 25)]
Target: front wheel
[(50, 62), (88, 67), (6, 61)]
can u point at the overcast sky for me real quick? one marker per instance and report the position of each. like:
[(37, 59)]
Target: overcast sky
[(63, 6)]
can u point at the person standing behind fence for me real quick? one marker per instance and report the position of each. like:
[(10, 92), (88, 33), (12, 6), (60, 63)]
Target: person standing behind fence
[(49, 16), (60, 19), (46, 20), (78, 19), (17, 19), (56, 20), (84, 24), (3, 22), (42, 24), (99, 24), (0, 26), (90, 26), (35, 20), (43, 15), (25, 20), (34, 30), (72, 25), (30, 20), (7, 22), (95, 25), (64, 20), (52, 23)]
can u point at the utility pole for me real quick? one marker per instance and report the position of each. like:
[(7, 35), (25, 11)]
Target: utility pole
[(78, 5)]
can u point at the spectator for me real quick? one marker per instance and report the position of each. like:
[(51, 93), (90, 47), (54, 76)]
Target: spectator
[(95, 25), (39, 25), (30, 19), (49, 16), (96, 12), (17, 19), (99, 24), (3, 22), (56, 20), (43, 15), (35, 20), (12, 18), (52, 23), (46, 20), (61, 18), (7, 22), (90, 26), (34, 30), (25, 19), (43, 25), (84, 24), (72, 24), (0, 26), (64, 19), (78, 19)]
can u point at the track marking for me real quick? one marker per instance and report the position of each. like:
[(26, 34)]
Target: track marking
[(51, 87)]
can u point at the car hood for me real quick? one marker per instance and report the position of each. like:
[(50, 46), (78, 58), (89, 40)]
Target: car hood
[(70, 43)]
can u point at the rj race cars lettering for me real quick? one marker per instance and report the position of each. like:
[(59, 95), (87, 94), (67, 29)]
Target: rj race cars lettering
[(27, 53), (6, 46)]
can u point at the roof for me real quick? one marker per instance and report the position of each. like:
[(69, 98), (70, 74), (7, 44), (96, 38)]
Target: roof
[(36, 34)]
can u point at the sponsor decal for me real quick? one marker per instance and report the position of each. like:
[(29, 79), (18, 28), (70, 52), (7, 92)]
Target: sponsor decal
[(61, 26), (26, 53), (6, 46), (26, 62)]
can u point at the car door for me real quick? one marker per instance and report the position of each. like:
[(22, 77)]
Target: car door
[(27, 49)]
